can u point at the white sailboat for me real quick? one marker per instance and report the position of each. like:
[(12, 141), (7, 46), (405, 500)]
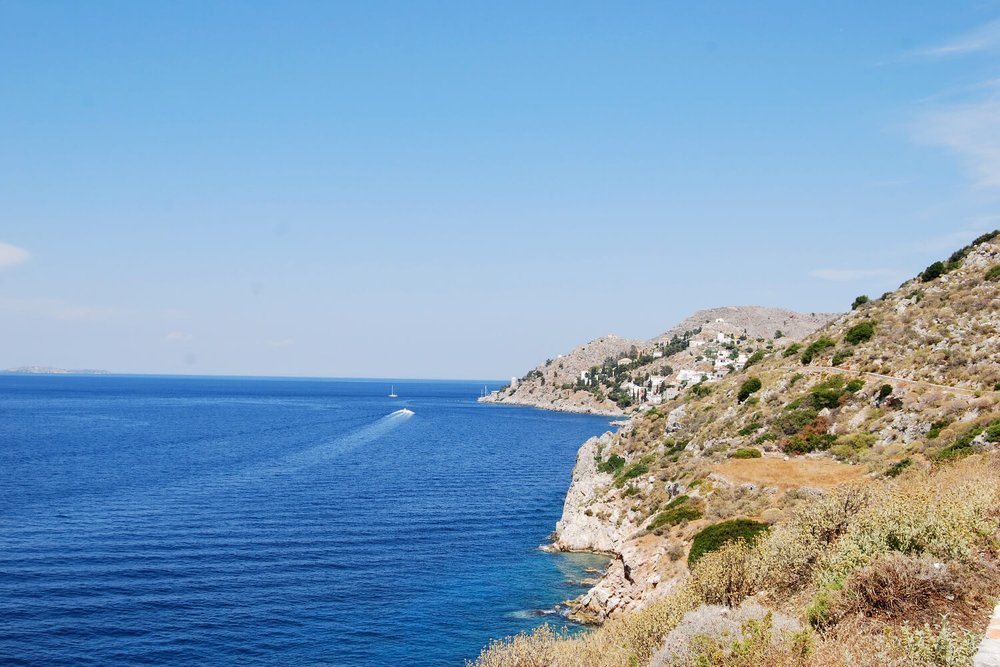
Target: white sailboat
[(392, 391)]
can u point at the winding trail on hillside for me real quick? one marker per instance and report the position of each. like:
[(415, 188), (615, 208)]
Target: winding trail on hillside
[(917, 383)]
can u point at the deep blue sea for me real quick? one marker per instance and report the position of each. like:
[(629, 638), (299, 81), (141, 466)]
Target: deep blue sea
[(170, 520)]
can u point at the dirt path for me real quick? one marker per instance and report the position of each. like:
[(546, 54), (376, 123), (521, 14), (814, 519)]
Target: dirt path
[(889, 378)]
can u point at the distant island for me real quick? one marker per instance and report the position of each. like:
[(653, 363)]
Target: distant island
[(50, 370)]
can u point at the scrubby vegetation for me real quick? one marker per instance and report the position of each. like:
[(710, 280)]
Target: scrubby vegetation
[(860, 332), (678, 510), (878, 548), (816, 347), (714, 537), (747, 453), (899, 572), (751, 386)]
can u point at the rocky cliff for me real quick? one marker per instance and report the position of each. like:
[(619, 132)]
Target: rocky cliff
[(903, 382)]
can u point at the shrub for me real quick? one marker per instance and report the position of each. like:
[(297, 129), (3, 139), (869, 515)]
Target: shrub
[(803, 442), (860, 332), (898, 585), (752, 427), (631, 472), (815, 348), (860, 301), (884, 391), (678, 510), (993, 432), (827, 394), (795, 417), (613, 465), (715, 536), (701, 389), (993, 273), (756, 357), (933, 271), (848, 446), (937, 427), (962, 445), (727, 575), (839, 356), (750, 386), (898, 467), (823, 609), (855, 385), (747, 453), (942, 648), (791, 350)]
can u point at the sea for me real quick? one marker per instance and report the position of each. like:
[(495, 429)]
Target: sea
[(261, 521)]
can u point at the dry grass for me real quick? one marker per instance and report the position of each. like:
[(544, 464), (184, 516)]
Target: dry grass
[(918, 590), (792, 474), (880, 564), (627, 641)]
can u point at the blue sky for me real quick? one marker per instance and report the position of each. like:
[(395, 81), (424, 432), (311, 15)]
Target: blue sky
[(462, 189)]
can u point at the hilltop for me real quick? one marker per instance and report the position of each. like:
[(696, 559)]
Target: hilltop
[(836, 495), (614, 375)]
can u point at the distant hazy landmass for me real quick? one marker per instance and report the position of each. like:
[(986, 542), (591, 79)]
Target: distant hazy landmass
[(49, 370)]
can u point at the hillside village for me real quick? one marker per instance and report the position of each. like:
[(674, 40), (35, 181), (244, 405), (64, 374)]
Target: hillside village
[(833, 500), (614, 375)]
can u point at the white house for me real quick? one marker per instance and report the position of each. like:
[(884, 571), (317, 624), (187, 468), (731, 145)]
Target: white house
[(634, 390), (688, 375)]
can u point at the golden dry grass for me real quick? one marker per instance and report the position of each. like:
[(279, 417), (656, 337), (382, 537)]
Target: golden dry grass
[(791, 474)]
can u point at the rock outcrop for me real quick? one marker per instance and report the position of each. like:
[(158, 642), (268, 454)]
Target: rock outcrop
[(587, 524)]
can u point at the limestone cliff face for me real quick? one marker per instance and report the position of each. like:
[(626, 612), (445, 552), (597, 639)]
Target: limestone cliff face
[(586, 523), (592, 521)]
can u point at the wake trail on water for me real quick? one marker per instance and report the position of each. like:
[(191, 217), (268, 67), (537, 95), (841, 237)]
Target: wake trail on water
[(145, 502), (306, 458)]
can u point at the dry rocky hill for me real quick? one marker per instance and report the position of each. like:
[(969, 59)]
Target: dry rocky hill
[(614, 375), (847, 482)]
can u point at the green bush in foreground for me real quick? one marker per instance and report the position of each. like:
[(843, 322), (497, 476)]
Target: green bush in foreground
[(747, 453), (715, 536)]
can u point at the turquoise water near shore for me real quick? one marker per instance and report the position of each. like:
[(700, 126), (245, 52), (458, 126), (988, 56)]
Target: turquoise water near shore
[(275, 521)]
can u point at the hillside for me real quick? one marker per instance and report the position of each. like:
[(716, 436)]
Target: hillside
[(614, 375), (858, 467)]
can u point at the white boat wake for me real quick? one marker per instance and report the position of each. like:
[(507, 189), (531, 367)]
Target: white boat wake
[(327, 451)]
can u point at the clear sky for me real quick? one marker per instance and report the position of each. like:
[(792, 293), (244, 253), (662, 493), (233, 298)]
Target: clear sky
[(462, 189)]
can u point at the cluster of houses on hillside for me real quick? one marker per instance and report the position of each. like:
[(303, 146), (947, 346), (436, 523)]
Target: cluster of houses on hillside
[(718, 349)]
